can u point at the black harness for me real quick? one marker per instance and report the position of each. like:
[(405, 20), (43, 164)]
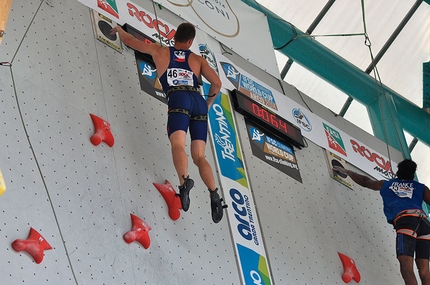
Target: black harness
[(182, 110), (181, 88)]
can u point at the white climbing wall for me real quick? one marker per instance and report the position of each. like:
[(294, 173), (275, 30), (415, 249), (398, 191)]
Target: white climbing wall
[(80, 196)]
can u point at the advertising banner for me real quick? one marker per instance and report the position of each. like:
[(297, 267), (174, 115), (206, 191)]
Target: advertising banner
[(232, 23), (313, 127), (241, 211), (273, 151)]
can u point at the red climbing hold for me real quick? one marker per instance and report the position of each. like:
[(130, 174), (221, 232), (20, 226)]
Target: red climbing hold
[(173, 201), (34, 245), (139, 232), (350, 271), (101, 132)]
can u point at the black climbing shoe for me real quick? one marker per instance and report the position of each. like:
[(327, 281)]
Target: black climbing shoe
[(216, 206), (184, 192)]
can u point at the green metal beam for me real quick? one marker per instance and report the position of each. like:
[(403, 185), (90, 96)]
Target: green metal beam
[(426, 86), (326, 64)]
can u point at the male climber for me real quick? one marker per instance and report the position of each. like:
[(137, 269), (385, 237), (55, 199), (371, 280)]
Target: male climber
[(187, 109), (402, 198)]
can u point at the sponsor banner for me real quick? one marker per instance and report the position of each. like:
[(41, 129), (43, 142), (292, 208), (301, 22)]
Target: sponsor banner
[(256, 92), (232, 23), (255, 265), (123, 12), (274, 152), (148, 78), (235, 79), (313, 127), (145, 26), (241, 211)]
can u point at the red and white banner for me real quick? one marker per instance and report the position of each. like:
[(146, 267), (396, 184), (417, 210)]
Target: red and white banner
[(233, 23)]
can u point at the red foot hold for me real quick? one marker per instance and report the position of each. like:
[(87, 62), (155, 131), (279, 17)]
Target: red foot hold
[(139, 232), (350, 271), (173, 201), (34, 245), (101, 132)]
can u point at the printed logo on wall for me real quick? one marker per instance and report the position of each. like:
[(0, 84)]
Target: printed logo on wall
[(109, 6), (207, 54), (334, 160), (273, 151), (383, 166), (249, 87), (225, 139), (334, 139), (148, 78), (255, 264), (231, 73), (162, 31), (102, 26), (301, 120)]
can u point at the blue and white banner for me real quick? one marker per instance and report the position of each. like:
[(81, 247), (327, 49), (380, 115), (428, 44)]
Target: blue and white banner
[(244, 225), (313, 127)]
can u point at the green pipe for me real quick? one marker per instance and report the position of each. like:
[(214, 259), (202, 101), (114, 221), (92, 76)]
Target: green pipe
[(354, 82)]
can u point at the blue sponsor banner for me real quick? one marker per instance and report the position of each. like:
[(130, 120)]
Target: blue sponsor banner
[(225, 139), (241, 211), (254, 265), (257, 89), (273, 151)]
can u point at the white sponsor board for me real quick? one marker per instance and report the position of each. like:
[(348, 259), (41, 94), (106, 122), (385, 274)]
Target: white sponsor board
[(241, 211), (312, 126), (233, 23)]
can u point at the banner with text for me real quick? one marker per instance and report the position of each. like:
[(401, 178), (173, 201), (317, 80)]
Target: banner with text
[(241, 211), (273, 151), (232, 23), (313, 127)]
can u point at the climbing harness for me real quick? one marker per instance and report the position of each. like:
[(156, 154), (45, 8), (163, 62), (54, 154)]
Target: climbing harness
[(186, 112), (409, 213), (416, 214), (182, 88)]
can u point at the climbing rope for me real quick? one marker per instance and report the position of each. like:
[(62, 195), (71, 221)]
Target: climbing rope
[(156, 19), (379, 87)]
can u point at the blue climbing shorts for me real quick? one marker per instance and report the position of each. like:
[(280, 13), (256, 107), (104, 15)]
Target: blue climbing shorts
[(413, 237), (187, 110)]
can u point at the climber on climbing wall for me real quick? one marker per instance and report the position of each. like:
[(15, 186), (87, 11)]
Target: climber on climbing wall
[(402, 199), (187, 109)]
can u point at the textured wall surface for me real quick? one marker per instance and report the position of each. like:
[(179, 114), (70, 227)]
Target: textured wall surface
[(80, 196)]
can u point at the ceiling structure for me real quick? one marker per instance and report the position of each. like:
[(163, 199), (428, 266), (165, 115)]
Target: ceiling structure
[(388, 40)]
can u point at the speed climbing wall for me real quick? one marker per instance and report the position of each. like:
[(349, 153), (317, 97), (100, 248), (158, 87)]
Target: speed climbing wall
[(79, 196)]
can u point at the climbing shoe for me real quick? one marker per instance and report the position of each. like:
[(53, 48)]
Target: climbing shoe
[(184, 192), (216, 206)]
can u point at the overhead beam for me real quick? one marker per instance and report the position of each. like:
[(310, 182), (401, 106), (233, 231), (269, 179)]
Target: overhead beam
[(309, 31), (384, 49), (393, 36), (347, 77)]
